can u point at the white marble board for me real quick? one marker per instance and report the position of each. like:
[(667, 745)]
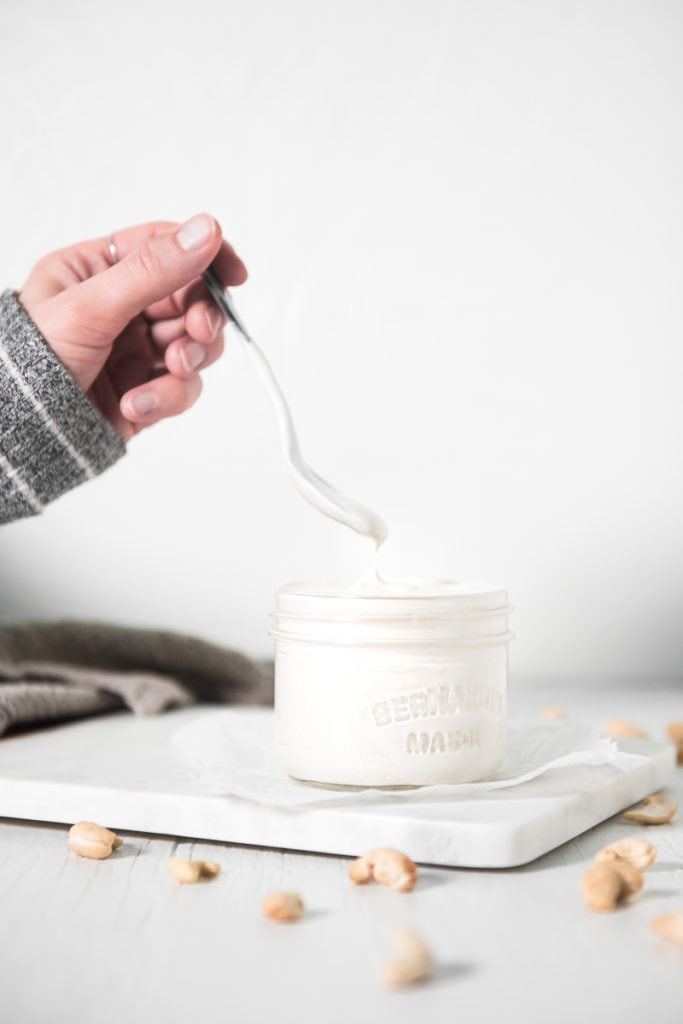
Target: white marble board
[(123, 772)]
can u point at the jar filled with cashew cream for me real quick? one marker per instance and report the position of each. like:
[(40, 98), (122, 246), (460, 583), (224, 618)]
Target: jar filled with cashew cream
[(404, 685)]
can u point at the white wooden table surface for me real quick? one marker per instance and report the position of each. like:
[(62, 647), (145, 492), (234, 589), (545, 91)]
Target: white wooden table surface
[(120, 940)]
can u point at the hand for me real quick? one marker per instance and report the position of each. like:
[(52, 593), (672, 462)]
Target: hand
[(134, 334)]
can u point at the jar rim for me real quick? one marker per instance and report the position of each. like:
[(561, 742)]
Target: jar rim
[(488, 640), (482, 595)]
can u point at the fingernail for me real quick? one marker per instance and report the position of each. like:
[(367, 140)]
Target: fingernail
[(191, 355), (195, 232), (213, 319), (142, 403)]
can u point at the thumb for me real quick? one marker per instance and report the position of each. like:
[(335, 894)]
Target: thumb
[(150, 272)]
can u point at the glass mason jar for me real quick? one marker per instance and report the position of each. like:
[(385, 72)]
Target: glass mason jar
[(403, 689)]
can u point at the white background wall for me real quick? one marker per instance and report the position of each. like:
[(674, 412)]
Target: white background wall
[(463, 223)]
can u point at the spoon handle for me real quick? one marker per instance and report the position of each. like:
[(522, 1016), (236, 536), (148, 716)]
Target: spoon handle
[(224, 302)]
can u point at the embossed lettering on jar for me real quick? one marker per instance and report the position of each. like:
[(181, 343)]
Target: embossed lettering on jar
[(402, 687)]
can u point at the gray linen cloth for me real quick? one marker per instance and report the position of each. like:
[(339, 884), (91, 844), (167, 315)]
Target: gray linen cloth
[(50, 671)]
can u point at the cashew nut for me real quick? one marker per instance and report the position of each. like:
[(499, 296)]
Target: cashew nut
[(414, 962), (619, 727), (187, 872), (90, 840), (655, 810), (283, 906), (675, 733), (601, 887), (670, 926), (636, 851), (388, 867), (606, 885)]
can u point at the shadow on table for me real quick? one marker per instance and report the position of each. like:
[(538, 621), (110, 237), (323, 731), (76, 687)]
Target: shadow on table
[(456, 971)]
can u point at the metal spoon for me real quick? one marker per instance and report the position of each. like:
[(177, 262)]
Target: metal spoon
[(323, 496)]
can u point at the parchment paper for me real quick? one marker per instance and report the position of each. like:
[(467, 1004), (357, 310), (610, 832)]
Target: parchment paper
[(233, 752)]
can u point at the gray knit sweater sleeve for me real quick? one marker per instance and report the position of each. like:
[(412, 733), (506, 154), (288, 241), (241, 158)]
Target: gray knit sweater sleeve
[(51, 436)]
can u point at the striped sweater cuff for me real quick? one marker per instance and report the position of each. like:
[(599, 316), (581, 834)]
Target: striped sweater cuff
[(51, 436)]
